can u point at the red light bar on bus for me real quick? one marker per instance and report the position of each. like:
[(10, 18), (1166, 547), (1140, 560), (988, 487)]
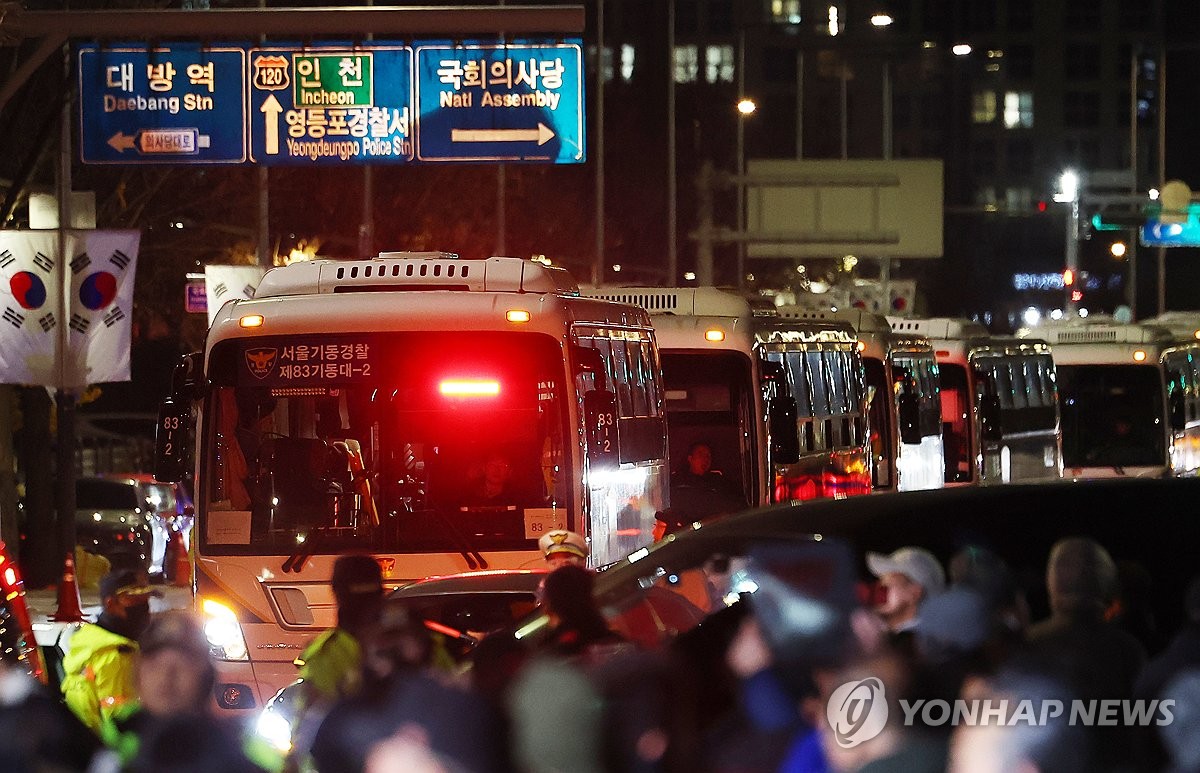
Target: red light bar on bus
[(470, 388)]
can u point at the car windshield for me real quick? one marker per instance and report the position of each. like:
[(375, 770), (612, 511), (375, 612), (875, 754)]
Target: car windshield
[(93, 494)]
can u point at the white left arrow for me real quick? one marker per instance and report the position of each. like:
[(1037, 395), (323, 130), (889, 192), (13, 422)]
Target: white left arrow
[(271, 110), (541, 135)]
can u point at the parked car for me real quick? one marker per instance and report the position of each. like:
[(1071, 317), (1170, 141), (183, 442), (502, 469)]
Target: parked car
[(1146, 522), (171, 513), (464, 607), (113, 519)]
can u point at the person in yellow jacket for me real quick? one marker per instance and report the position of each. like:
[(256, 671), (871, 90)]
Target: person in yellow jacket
[(331, 666), (175, 676), (99, 669)]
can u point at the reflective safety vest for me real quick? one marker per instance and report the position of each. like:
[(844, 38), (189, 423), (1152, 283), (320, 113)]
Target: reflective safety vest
[(120, 732), (331, 665), (99, 672)]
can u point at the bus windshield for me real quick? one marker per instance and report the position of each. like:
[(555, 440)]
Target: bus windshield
[(414, 442), (710, 401), (1112, 415)]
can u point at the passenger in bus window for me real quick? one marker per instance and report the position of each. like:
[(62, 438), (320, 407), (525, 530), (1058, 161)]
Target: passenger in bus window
[(698, 472), (1125, 444), (699, 492), (494, 486)]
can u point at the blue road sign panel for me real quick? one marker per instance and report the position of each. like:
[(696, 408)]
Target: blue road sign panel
[(1159, 234), (518, 101), (331, 104), (182, 103)]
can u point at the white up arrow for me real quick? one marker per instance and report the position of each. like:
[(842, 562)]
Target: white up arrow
[(271, 110)]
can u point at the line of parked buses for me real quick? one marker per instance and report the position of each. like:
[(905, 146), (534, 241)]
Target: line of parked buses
[(891, 403), (443, 414)]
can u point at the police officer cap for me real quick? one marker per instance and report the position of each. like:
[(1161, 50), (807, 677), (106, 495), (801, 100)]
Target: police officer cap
[(561, 541), (356, 576), (125, 582)]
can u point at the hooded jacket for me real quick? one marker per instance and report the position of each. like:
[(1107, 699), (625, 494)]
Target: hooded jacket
[(98, 674)]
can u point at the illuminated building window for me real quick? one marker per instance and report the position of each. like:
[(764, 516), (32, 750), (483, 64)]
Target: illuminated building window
[(627, 57), (786, 11), (687, 64), (1018, 110), (718, 64), (983, 107)]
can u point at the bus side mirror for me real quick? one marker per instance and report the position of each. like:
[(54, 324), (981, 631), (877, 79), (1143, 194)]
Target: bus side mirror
[(909, 413), (989, 418), (170, 448), (1178, 412), (175, 419), (774, 376), (600, 409), (785, 439)]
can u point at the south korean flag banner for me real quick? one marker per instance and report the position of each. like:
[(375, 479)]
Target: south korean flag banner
[(30, 278), (227, 283), (102, 265)]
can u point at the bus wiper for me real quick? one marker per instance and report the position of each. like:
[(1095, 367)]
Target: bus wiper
[(473, 557), (295, 562)]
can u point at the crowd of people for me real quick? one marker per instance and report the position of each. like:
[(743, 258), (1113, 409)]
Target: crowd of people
[(756, 688)]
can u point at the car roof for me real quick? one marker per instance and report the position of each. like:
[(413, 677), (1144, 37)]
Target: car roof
[(1148, 521), (494, 581)]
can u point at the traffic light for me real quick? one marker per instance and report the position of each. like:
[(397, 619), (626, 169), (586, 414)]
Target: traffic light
[(1068, 278)]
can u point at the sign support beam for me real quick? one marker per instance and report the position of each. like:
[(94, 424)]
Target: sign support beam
[(240, 23)]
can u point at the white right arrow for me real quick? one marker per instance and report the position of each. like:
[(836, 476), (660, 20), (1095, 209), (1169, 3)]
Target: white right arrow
[(271, 109), (541, 135)]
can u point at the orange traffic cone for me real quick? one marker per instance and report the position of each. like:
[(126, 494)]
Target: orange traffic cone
[(69, 607), (181, 565)]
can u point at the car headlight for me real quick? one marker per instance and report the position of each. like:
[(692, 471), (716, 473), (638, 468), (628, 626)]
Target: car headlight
[(225, 640), (275, 729), (279, 718)]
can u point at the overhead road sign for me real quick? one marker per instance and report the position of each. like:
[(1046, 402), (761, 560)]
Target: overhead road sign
[(53, 28), (518, 101), (331, 104), (1159, 234), (182, 103)]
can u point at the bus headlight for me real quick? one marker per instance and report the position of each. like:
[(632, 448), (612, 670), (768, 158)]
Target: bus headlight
[(225, 639)]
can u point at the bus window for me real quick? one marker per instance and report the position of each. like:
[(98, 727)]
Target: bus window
[(880, 420), (956, 422), (1004, 386), (819, 383), (1020, 391), (1112, 415)]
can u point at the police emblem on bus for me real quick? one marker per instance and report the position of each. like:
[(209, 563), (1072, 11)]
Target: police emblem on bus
[(261, 362)]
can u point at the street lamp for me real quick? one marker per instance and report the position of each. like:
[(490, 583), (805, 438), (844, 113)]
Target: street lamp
[(745, 108), (1068, 193)]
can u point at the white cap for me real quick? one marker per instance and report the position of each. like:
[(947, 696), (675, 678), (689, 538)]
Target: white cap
[(563, 541), (917, 564)]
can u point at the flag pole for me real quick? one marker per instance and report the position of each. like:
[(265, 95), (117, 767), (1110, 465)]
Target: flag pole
[(65, 397)]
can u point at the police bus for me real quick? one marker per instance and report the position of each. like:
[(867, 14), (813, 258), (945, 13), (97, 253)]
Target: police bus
[(441, 414), (904, 410), (780, 402), (1130, 397), (999, 399), (1184, 326)]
